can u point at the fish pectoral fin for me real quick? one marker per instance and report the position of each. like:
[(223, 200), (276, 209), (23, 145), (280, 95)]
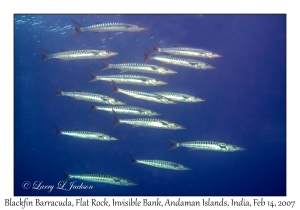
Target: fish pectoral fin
[(154, 67), (193, 63), (164, 123), (116, 180)]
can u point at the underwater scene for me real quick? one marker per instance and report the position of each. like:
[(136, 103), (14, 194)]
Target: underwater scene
[(149, 105)]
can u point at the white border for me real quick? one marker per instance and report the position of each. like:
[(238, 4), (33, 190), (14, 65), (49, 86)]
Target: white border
[(153, 6)]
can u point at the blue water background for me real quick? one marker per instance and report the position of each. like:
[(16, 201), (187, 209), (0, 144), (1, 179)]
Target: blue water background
[(245, 105)]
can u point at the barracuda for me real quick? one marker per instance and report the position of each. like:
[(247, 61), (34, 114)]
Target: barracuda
[(108, 179), (184, 51), (91, 97), (147, 122), (107, 27), (205, 145), (159, 164), (143, 95), (127, 79), (179, 97), (76, 55), (138, 67), (179, 61), (84, 135), (129, 110)]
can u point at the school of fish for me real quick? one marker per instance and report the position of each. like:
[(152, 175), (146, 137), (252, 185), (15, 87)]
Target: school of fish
[(179, 56)]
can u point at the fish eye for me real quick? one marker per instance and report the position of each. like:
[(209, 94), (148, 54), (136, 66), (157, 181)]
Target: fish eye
[(206, 64), (107, 51), (234, 146)]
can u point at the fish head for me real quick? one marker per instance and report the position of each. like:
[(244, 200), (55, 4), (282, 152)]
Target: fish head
[(233, 148), (110, 138), (115, 101), (126, 182), (156, 82), (194, 99), (212, 55), (149, 113), (181, 167), (164, 70), (175, 126), (204, 65), (106, 53), (137, 28)]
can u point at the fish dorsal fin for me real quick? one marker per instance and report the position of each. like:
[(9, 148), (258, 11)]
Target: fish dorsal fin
[(97, 22), (64, 50)]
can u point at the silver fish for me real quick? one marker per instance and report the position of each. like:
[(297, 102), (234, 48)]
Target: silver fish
[(84, 135), (179, 97), (159, 164), (107, 27), (185, 51), (129, 110), (91, 97), (179, 61), (205, 145), (108, 179), (76, 55), (143, 95), (138, 67), (147, 122), (127, 79)]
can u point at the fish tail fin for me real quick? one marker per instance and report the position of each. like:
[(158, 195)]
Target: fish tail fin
[(45, 56), (116, 87), (66, 175), (58, 131), (133, 161), (93, 76), (105, 65), (146, 55), (174, 144), (77, 28), (93, 108), (116, 120), (58, 91), (156, 47)]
